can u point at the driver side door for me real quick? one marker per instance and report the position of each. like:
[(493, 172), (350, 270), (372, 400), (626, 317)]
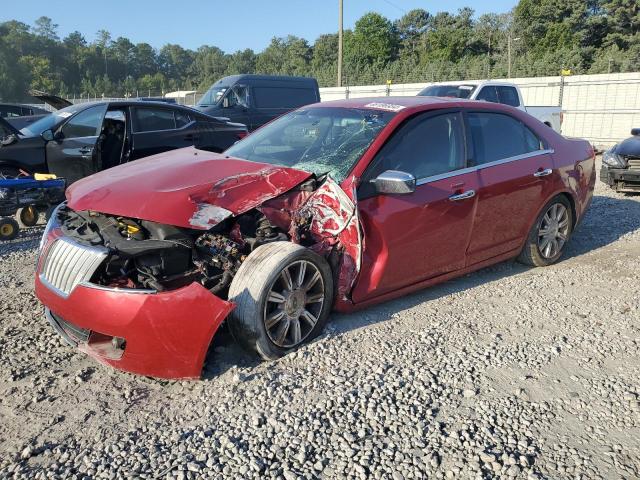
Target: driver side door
[(235, 105), (73, 153), (415, 236)]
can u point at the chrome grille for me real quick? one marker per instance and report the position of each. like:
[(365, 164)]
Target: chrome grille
[(68, 264), (634, 164)]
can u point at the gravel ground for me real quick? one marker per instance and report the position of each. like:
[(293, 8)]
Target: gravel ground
[(507, 372)]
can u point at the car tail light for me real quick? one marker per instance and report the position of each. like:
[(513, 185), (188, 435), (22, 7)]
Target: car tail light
[(241, 135)]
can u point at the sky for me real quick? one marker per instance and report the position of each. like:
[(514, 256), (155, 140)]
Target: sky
[(230, 25)]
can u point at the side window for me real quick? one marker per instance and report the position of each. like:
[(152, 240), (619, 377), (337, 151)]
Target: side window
[(182, 119), (424, 146), (87, 123), (149, 119), (286, 97), (497, 136), (508, 96), (488, 94), (12, 111)]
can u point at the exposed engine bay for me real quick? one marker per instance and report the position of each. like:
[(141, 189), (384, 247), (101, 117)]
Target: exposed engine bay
[(153, 256)]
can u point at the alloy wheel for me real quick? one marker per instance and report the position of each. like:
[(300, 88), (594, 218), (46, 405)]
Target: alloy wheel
[(294, 304), (553, 231)]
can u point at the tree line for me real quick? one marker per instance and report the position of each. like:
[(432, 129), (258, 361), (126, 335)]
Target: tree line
[(546, 36)]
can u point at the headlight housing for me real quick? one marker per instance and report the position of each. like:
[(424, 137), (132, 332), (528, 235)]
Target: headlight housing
[(612, 159), (52, 223)]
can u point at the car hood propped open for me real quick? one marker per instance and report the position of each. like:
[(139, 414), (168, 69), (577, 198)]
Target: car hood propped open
[(186, 188)]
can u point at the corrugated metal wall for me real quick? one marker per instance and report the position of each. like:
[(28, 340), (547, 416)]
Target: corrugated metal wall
[(601, 108)]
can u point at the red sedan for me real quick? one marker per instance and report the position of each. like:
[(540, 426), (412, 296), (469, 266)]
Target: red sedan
[(334, 206)]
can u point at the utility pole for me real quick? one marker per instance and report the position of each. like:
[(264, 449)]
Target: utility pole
[(339, 43), (509, 42)]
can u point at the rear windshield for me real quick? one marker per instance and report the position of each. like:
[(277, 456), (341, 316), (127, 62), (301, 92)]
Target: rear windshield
[(319, 140), (455, 91)]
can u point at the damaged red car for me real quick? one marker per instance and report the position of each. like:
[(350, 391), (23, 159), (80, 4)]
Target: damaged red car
[(334, 206)]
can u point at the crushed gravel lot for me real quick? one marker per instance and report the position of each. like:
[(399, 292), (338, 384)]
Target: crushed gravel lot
[(507, 372)]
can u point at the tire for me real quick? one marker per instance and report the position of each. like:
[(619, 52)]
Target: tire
[(9, 228), (542, 250), (28, 216), (262, 296)]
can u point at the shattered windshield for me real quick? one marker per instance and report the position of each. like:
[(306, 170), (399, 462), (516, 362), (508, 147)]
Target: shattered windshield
[(319, 140), (212, 96)]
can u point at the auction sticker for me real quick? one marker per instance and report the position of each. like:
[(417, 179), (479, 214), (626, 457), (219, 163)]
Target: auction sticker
[(385, 106)]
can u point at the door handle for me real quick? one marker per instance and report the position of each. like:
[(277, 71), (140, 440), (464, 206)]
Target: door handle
[(543, 173), (462, 196), (86, 150)]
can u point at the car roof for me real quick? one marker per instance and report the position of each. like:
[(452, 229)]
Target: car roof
[(386, 103)]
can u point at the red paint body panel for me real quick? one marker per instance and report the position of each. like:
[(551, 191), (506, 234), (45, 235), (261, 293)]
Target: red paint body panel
[(404, 243), (167, 188), (410, 238), (167, 334)]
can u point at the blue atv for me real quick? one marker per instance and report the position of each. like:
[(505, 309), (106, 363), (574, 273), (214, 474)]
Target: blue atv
[(24, 198)]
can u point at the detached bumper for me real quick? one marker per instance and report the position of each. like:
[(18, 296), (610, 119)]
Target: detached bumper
[(622, 179), (164, 335)]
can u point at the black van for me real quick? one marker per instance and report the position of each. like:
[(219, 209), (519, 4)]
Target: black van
[(256, 99)]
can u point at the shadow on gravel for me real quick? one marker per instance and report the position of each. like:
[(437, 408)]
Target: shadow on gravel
[(607, 220), (27, 239)]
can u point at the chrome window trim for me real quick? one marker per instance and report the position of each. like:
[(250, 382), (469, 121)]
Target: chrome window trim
[(462, 171), (95, 286)]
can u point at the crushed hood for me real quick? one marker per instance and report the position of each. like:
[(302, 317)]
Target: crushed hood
[(186, 188)]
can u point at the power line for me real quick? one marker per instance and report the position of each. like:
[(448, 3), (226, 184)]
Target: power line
[(394, 6)]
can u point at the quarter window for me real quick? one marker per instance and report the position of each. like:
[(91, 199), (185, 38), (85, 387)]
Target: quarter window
[(182, 119), (87, 123), (496, 136), (424, 147)]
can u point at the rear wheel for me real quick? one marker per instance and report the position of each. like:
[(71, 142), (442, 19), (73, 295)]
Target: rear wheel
[(9, 228), (283, 294), (549, 234), (28, 216)]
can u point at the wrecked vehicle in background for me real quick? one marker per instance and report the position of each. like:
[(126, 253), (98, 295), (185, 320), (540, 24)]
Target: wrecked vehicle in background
[(335, 205), (79, 140), (621, 165)]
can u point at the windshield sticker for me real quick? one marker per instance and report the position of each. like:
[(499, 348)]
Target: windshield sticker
[(64, 114), (385, 106)]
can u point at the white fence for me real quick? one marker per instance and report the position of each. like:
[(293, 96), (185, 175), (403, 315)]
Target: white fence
[(601, 108)]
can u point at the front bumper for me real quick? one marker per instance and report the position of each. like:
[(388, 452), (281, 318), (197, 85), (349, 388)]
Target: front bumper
[(165, 335), (622, 179), (159, 334)]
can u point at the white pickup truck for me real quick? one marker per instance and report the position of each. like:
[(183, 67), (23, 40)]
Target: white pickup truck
[(497, 92)]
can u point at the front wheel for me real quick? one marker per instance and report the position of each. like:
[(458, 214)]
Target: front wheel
[(549, 234), (283, 294)]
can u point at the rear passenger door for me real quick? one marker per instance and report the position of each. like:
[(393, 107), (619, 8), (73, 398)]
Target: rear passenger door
[(157, 129), (515, 174)]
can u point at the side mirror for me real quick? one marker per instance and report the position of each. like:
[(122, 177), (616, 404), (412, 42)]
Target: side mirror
[(47, 135), (394, 182), (635, 132)]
